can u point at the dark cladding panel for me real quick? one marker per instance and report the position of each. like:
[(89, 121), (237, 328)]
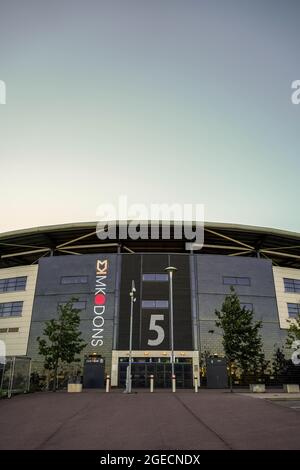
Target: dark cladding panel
[(55, 269), (51, 291), (182, 303), (155, 263), (260, 293), (155, 331), (131, 270), (151, 326)]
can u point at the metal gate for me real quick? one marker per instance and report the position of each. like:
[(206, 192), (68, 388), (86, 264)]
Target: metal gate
[(93, 373), (216, 372), (141, 372)]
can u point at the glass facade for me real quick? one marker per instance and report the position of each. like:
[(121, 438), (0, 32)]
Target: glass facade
[(155, 277), (236, 281), (155, 304), (74, 280)]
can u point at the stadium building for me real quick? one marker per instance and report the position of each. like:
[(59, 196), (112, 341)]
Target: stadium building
[(43, 267)]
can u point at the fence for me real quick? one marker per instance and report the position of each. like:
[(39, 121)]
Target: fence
[(42, 379), (15, 376)]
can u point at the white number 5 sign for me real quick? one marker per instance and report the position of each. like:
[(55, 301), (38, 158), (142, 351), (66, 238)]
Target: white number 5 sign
[(158, 329)]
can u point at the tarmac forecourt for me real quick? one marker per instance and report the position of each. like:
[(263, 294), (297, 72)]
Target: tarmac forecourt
[(208, 420)]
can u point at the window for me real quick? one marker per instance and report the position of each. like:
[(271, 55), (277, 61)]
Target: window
[(291, 285), (155, 304), (9, 330), (236, 281), (247, 306), (294, 310), (13, 284), (80, 305), (156, 277), (74, 280), (11, 309)]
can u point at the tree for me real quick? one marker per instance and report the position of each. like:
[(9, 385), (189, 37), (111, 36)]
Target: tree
[(62, 340), (241, 340), (279, 362), (259, 367)]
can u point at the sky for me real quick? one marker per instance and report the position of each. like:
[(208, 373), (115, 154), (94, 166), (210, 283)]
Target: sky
[(162, 101)]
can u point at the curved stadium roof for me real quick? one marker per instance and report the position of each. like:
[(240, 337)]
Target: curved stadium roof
[(27, 246)]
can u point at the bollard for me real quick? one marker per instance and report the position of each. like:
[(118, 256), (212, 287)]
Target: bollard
[(196, 383), (173, 383), (151, 383), (107, 383)]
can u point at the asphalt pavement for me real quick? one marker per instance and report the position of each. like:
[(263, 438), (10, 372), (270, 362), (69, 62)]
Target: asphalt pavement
[(211, 419)]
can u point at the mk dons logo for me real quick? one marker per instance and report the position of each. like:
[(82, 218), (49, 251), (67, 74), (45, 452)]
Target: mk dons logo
[(99, 303)]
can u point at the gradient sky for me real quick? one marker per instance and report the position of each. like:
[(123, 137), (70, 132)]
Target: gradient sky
[(162, 100)]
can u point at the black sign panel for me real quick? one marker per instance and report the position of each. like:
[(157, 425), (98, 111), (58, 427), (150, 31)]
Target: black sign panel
[(151, 321)]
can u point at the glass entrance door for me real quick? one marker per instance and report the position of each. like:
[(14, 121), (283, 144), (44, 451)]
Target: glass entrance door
[(162, 372)]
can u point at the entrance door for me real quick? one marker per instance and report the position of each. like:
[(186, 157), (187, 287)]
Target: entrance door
[(93, 375), (162, 372), (216, 372), (184, 375), (162, 375), (138, 372)]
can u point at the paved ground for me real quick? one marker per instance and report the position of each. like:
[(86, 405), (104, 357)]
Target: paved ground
[(274, 395), (185, 420), (293, 404)]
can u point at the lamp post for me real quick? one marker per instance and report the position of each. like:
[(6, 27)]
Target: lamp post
[(171, 270), (132, 300)]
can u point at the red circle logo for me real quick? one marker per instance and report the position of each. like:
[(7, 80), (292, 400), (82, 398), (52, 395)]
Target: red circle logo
[(100, 299)]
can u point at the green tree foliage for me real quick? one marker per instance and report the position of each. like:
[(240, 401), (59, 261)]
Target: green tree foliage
[(278, 362), (61, 341), (241, 340)]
